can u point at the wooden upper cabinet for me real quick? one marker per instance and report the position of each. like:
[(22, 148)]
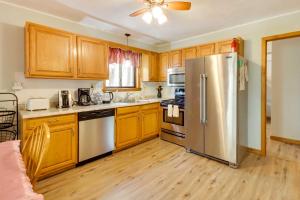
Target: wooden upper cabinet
[(92, 58), (188, 53), (225, 46), (163, 66), (205, 50), (149, 67), (145, 68), (154, 73), (49, 52), (175, 59)]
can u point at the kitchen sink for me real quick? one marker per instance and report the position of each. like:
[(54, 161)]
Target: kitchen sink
[(136, 101)]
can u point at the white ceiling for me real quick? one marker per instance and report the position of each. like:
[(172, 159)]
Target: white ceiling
[(205, 15)]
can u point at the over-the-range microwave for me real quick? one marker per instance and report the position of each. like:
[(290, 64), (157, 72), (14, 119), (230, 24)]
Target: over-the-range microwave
[(176, 77)]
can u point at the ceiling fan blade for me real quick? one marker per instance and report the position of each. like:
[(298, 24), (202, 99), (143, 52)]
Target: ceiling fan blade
[(178, 5), (139, 12)]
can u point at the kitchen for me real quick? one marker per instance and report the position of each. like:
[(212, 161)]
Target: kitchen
[(138, 122)]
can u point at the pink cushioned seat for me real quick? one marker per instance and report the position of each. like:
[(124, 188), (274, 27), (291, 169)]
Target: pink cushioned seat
[(14, 183)]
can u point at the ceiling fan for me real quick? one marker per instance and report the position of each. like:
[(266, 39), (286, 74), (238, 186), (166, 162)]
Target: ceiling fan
[(154, 10)]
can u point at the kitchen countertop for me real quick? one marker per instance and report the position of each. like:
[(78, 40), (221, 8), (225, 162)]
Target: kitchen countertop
[(24, 114)]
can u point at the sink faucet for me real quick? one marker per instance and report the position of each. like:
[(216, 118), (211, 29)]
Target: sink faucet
[(128, 95)]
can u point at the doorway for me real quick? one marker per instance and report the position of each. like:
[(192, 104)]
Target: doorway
[(266, 42)]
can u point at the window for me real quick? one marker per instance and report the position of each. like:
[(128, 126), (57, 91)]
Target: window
[(121, 75), (123, 67)]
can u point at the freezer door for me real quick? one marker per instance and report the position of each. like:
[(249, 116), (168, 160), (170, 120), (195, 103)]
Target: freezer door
[(221, 91), (193, 105)]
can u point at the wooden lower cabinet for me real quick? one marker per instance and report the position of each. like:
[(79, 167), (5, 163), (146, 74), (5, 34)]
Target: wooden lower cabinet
[(135, 124), (128, 130), (150, 126), (62, 153)]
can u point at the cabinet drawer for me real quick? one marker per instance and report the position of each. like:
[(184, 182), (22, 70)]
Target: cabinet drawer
[(51, 121), (126, 110), (150, 106)]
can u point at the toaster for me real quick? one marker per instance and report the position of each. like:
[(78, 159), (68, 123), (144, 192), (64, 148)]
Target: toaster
[(37, 104)]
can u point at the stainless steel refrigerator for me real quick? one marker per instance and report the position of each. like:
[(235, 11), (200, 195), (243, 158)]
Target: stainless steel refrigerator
[(216, 109)]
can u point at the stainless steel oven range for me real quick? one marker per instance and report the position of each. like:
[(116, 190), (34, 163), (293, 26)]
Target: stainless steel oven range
[(172, 128)]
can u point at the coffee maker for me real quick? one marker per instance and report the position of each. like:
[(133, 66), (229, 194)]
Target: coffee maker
[(84, 97), (64, 99)]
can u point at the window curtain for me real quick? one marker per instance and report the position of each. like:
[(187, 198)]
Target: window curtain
[(119, 56)]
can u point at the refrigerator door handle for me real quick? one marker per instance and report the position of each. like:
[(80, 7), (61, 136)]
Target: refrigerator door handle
[(204, 78), (201, 119), (201, 98)]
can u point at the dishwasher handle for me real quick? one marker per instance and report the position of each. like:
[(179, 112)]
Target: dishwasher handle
[(96, 114)]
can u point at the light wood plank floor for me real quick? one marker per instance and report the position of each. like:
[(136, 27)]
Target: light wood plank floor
[(161, 170)]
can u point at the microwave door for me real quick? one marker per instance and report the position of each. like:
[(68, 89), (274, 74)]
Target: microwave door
[(176, 79)]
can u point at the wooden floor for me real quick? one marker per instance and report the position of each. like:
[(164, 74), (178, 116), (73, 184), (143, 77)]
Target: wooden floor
[(161, 170)]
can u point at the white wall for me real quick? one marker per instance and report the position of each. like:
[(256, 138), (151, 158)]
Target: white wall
[(252, 34), (286, 89)]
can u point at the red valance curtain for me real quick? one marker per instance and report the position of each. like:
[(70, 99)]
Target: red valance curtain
[(119, 56)]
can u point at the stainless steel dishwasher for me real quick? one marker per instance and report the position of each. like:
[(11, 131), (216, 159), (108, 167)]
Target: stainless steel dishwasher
[(96, 134)]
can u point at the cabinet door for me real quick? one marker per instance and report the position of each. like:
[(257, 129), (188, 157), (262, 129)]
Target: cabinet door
[(223, 46), (188, 53), (154, 67), (62, 151), (50, 53), (128, 130), (205, 50), (163, 66), (150, 123), (175, 58), (146, 66), (92, 58), (149, 67)]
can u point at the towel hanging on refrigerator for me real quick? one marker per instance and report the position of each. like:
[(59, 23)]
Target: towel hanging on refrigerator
[(243, 71)]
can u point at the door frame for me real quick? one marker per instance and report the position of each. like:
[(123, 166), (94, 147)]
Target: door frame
[(265, 40)]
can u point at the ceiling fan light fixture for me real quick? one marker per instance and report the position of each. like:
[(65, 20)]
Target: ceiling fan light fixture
[(147, 17), (162, 19), (157, 12)]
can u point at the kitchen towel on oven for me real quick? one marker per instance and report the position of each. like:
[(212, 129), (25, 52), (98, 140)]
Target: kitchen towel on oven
[(170, 110), (175, 111)]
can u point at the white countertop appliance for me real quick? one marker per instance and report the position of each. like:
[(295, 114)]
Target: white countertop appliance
[(107, 97), (37, 104), (64, 99)]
